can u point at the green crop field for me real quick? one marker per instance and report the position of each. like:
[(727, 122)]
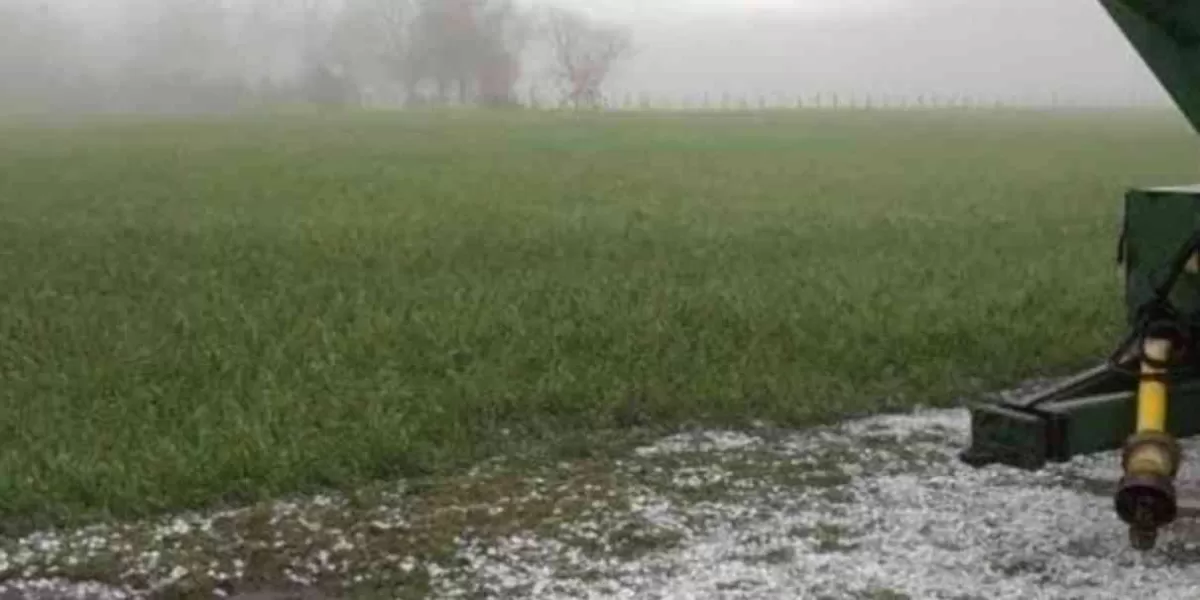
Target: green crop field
[(216, 311)]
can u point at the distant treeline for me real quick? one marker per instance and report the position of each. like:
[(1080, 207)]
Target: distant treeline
[(226, 55), (216, 55)]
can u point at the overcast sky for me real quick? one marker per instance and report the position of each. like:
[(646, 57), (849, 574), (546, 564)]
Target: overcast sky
[(634, 9), (1027, 50), (1030, 50)]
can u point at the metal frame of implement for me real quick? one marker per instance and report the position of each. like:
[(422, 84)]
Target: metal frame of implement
[(1123, 402)]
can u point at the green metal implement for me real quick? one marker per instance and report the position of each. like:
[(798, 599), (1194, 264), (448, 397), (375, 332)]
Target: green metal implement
[(1095, 410), (1120, 403), (1166, 34)]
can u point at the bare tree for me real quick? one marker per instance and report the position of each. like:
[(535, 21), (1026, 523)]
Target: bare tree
[(470, 49), (371, 41), (181, 58), (324, 80), (584, 54), (505, 32), (444, 37)]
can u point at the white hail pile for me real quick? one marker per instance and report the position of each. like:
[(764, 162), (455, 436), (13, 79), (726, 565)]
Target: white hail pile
[(899, 526), (878, 508)]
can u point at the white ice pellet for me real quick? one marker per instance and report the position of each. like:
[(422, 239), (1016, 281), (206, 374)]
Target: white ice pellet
[(878, 520), (930, 529)]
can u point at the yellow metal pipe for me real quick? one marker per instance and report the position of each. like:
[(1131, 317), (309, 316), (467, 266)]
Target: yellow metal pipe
[(1152, 393), (1146, 498), (1152, 406)]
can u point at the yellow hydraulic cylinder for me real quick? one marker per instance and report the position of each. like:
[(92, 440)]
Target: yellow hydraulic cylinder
[(1147, 456), (1146, 496), (1152, 390)]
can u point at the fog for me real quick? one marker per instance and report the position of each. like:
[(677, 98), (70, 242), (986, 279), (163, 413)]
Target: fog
[(1027, 51), (220, 55)]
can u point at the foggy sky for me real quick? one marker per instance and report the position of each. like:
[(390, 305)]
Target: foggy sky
[(633, 10), (1026, 50), (1022, 50)]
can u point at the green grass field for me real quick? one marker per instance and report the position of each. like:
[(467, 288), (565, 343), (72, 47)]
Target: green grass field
[(199, 312)]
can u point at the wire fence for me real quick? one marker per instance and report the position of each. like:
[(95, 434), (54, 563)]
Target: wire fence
[(726, 101)]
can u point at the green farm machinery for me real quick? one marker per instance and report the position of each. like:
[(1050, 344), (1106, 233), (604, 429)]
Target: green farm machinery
[(1146, 395)]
